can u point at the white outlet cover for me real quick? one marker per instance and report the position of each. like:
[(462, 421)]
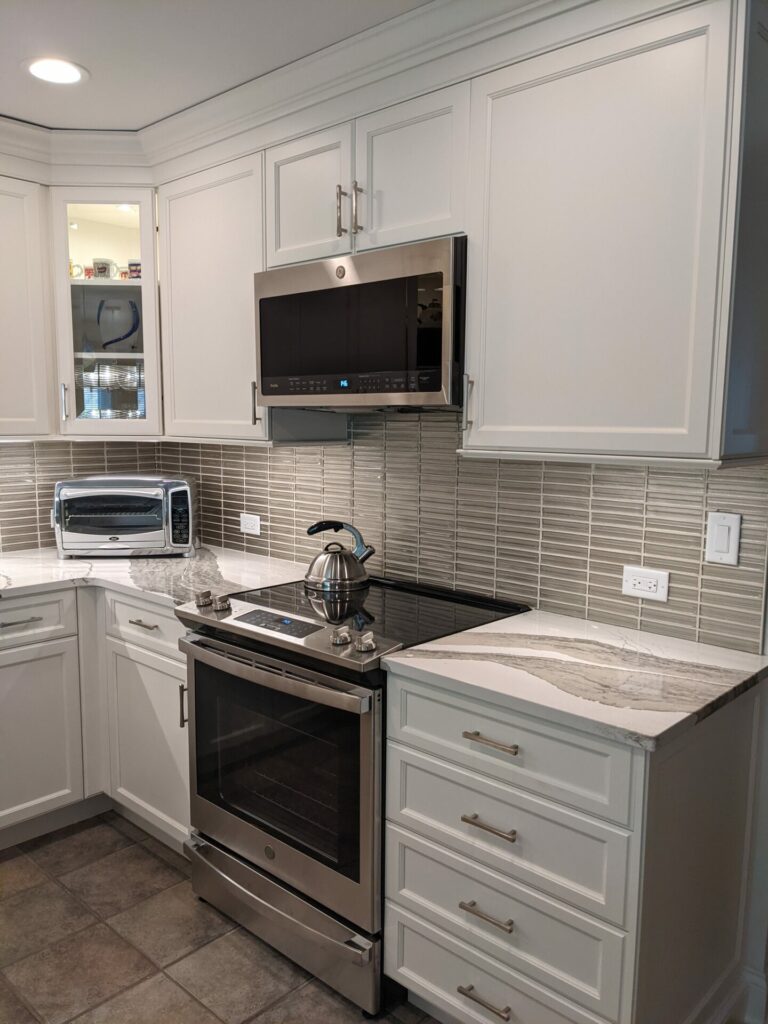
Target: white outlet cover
[(250, 523), (645, 583)]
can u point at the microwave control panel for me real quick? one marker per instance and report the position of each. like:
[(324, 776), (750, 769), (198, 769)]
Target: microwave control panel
[(355, 383)]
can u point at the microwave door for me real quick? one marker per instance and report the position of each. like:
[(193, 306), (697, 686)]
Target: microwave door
[(91, 518)]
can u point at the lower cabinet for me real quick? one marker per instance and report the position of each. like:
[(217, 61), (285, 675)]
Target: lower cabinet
[(41, 757), (149, 760)]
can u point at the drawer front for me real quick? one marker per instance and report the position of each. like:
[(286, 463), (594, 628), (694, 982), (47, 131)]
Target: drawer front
[(435, 966), (583, 771), (558, 947), (562, 852), (37, 617), (145, 624)]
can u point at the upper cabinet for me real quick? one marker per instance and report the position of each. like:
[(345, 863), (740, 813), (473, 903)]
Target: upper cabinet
[(24, 310), (407, 181), (596, 204), (105, 292)]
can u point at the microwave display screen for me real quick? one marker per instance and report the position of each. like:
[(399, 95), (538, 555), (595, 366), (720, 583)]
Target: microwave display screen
[(382, 336)]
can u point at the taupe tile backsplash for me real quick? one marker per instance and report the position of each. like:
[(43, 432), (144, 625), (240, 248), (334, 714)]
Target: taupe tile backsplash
[(554, 535)]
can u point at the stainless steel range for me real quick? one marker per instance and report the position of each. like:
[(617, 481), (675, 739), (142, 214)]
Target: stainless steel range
[(286, 697)]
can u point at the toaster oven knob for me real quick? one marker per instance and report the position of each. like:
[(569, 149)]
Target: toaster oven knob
[(203, 598), (365, 642), (221, 603), (341, 636)]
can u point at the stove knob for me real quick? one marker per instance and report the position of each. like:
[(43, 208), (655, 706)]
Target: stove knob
[(203, 598), (221, 603), (365, 642), (340, 637)]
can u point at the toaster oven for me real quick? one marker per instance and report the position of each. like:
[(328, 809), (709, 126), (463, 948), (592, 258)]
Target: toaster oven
[(129, 514)]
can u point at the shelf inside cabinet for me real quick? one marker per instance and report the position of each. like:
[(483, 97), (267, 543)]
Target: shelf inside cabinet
[(106, 282)]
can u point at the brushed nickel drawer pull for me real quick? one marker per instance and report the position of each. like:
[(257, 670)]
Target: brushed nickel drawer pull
[(469, 992), (182, 717), (471, 907), (21, 622), (511, 748), (474, 820), (144, 625), (339, 229)]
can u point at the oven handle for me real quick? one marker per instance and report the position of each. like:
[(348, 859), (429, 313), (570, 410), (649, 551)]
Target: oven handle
[(355, 949), (314, 692)]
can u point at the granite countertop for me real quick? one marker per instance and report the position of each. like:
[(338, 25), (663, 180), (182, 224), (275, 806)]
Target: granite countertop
[(625, 684)]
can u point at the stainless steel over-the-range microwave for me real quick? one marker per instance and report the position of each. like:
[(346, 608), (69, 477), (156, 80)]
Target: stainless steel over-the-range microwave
[(380, 328)]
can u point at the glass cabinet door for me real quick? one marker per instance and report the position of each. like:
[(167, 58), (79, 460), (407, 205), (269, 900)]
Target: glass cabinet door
[(107, 327)]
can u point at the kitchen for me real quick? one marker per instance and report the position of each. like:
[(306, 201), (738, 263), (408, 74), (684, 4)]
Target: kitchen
[(420, 679)]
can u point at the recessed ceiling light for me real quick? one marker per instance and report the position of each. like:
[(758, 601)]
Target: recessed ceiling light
[(125, 207), (74, 225), (52, 69)]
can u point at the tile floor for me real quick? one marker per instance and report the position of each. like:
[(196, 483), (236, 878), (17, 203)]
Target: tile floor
[(99, 925)]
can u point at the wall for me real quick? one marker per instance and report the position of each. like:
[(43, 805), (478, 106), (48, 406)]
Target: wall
[(551, 534)]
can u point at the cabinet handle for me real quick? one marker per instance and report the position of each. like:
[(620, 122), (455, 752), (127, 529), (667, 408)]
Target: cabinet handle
[(512, 748), (468, 384), (63, 400), (470, 906), (254, 404), (144, 625), (474, 821), (356, 190), (469, 992), (339, 229), (21, 622), (182, 719)]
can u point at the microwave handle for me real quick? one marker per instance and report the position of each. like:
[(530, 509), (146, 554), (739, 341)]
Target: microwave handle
[(316, 693), (66, 493)]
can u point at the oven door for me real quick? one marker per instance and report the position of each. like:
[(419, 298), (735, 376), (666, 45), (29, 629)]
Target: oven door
[(285, 770), (88, 519)]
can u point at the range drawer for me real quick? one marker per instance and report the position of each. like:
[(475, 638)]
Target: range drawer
[(46, 616), (145, 624), (561, 852), (581, 770), (435, 966), (558, 947)]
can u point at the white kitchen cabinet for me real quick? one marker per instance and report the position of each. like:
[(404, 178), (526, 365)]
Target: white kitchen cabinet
[(41, 758), (309, 184), (24, 365), (411, 169), (595, 216), (149, 756), (105, 302)]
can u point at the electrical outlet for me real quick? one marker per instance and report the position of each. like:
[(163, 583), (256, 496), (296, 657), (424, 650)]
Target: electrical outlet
[(649, 584), (250, 523)]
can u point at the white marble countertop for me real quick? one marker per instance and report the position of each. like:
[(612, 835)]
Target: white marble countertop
[(638, 687)]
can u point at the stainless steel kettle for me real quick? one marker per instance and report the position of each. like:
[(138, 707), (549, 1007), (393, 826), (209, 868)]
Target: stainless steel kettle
[(337, 567)]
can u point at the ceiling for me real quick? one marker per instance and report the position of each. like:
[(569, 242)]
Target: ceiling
[(149, 59)]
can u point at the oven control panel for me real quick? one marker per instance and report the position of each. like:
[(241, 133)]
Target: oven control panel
[(276, 623)]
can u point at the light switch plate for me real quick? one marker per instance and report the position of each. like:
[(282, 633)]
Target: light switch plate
[(250, 523), (723, 536), (649, 584)]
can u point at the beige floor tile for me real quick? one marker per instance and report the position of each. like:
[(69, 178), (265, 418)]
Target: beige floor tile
[(155, 1001), (12, 1011), (37, 917), (121, 880), (128, 829), (18, 872), (313, 1004), (70, 848), (168, 855)]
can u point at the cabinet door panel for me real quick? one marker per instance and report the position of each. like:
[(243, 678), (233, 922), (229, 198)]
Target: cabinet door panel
[(24, 383), (211, 245), (302, 177), (595, 206), (411, 163), (41, 756), (148, 748)]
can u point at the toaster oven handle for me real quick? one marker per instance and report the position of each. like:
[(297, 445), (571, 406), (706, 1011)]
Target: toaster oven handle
[(358, 703)]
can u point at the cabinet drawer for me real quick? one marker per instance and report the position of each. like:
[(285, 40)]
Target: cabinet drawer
[(561, 852), (434, 965), (145, 624), (561, 948), (561, 764), (47, 616)]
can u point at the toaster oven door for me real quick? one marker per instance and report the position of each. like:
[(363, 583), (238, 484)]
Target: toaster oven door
[(132, 518)]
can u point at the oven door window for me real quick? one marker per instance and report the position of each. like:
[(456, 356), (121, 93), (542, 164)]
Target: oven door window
[(123, 514), (284, 764)]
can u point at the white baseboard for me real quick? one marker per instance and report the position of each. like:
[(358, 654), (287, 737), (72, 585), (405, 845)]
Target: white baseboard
[(62, 816)]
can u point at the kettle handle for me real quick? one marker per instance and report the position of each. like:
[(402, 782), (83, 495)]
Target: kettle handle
[(361, 550)]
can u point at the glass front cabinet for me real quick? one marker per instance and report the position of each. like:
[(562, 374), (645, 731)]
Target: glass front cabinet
[(106, 311)]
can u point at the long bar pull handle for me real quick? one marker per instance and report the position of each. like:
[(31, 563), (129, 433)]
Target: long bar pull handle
[(506, 748), (182, 717), (339, 229), (21, 622), (356, 190), (64, 410), (467, 388), (144, 625), (469, 992), (471, 907), (255, 418), (474, 821)]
